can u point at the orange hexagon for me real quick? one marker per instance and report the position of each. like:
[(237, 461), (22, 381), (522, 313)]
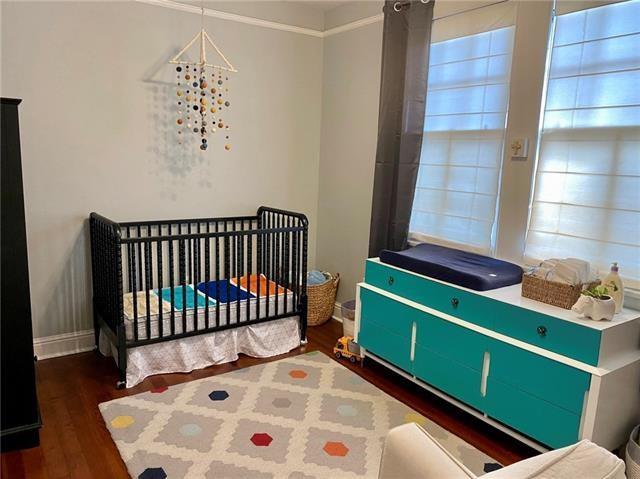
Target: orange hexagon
[(335, 449), (297, 374)]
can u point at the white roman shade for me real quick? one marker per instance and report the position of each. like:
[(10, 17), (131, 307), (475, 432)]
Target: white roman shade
[(467, 99), (586, 200)]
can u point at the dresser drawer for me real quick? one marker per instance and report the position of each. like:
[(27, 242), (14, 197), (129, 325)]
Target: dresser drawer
[(386, 328), (451, 341), (545, 422), (387, 313), (544, 378), (454, 379), (563, 337), (422, 290)]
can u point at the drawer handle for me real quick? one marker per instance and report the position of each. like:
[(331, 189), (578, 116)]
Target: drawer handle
[(391, 280), (455, 302), (542, 331)]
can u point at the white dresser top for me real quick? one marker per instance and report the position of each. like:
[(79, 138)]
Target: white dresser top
[(512, 295)]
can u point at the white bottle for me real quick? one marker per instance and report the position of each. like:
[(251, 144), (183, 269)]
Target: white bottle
[(618, 294)]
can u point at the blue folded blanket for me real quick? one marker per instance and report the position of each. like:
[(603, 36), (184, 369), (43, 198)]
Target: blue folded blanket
[(186, 297), (226, 291)]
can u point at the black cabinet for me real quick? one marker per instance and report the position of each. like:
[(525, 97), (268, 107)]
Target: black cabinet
[(20, 420)]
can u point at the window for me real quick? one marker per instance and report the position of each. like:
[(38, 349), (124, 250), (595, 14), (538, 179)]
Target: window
[(586, 199), (459, 175)]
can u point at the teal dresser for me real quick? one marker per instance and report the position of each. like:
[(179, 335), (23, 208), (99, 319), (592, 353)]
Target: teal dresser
[(534, 371)]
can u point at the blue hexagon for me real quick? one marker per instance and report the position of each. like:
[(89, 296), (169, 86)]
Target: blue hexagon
[(218, 395), (153, 473)]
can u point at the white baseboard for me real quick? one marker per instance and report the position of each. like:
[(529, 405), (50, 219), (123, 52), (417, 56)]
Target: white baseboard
[(337, 312), (63, 344)]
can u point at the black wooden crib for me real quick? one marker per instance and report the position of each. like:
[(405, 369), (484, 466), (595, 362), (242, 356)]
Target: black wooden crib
[(156, 281)]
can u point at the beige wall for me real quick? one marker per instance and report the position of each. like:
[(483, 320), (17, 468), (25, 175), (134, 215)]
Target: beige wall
[(350, 94), (97, 131)]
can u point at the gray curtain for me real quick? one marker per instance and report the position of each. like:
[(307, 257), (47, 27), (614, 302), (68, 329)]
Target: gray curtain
[(403, 90)]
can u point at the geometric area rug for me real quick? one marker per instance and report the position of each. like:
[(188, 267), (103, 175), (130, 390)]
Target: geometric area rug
[(297, 418)]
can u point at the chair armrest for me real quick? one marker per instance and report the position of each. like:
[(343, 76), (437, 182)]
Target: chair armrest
[(410, 452)]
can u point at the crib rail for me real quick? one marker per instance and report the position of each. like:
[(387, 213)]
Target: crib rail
[(161, 280)]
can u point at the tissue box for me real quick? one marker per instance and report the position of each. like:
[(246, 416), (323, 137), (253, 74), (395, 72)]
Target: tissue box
[(557, 294)]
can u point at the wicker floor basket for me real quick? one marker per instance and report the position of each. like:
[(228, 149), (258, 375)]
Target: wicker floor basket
[(633, 454), (322, 300), (550, 292)]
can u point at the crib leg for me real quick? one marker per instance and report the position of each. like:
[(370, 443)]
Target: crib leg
[(303, 319), (122, 357), (96, 327)]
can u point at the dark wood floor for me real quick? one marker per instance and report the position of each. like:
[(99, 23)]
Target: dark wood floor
[(75, 443)]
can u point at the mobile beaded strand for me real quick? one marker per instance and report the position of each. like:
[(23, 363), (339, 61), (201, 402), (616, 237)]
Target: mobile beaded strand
[(202, 90)]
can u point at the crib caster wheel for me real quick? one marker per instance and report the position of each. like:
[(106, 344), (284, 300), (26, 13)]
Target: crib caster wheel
[(121, 384)]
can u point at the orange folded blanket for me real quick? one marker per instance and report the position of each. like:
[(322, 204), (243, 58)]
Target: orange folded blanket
[(253, 282)]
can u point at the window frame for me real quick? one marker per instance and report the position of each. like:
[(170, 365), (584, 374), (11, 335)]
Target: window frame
[(533, 41)]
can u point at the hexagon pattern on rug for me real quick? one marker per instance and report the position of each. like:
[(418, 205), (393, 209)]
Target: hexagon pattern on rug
[(190, 431), (120, 422), (153, 473), (297, 418), (218, 395), (261, 439), (281, 402), (278, 402), (298, 374), (275, 436), (335, 448)]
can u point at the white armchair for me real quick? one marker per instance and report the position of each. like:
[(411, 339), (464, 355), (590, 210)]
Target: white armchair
[(411, 453)]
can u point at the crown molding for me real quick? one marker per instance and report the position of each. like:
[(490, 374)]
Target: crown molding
[(257, 22)]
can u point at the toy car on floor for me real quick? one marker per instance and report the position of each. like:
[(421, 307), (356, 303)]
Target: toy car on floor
[(346, 347)]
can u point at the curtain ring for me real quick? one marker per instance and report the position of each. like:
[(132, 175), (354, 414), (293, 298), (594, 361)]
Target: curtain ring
[(397, 7)]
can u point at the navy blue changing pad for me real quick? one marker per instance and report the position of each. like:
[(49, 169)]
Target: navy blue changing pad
[(468, 270)]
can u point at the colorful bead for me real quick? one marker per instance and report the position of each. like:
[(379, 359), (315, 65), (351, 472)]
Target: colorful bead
[(178, 68), (179, 92), (187, 76), (179, 121), (226, 103), (227, 147)]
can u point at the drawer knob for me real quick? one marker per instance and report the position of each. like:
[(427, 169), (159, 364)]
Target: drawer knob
[(391, 280), (455, 302), (542, 331)]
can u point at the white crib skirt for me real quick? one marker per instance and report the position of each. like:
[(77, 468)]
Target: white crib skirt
[(184, 355)]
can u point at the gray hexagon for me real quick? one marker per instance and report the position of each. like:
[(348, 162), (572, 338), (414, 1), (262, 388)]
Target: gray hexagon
[(281, 403)]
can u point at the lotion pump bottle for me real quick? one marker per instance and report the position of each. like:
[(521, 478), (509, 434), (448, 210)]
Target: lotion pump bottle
[(614, 277)]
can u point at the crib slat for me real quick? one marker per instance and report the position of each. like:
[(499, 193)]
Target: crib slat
[(171, 285), (183, 283), (217, 278), (207, 274), (160, 302), (249, 271)]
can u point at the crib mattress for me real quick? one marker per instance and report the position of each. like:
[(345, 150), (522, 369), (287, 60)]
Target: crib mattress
[(469, 270), (218, 303)]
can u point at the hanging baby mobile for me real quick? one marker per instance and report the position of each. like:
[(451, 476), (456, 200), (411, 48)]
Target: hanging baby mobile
[(202, 93)]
